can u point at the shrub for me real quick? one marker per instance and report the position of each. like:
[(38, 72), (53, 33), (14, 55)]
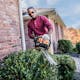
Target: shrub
[(74, 50), (29, 65), (32, 65), (66, 67), (78, 47), (64, 46)]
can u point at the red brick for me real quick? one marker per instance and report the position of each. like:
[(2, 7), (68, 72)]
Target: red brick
[(9, 27)]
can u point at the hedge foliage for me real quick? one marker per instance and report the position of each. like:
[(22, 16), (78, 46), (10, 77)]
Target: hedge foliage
[(66, 67), (65, 46), (32, 65)]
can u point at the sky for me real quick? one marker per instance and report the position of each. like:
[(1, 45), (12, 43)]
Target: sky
[(68, 10)]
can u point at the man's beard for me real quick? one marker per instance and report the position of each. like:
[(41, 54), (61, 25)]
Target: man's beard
[(33, 17)]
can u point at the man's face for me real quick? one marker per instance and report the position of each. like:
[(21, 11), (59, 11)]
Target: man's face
[(32, 13)]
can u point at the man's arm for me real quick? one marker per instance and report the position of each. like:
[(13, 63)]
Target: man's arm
[(47, 24)]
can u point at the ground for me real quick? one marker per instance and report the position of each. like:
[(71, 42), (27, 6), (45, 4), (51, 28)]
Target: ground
[(77, 72)]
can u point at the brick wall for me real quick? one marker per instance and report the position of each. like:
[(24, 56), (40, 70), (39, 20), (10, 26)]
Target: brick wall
[(9, 27)]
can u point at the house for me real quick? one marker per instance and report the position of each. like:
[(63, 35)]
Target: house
[(58, 26), (13, 32)]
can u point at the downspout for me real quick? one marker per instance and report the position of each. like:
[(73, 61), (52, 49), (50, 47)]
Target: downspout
[(22, 27)]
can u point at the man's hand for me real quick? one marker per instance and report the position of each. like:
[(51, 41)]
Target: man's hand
[(46, 36)]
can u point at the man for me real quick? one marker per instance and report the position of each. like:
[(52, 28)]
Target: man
[(38, 25)]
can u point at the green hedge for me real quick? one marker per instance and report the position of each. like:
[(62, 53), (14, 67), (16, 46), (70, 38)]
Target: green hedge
[(78, 47), (29, 65), (32, 65), (74, 50), (66, 67), (65, 46)]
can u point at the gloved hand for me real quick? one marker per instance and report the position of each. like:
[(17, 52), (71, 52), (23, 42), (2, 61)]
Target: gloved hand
[(46, 37)]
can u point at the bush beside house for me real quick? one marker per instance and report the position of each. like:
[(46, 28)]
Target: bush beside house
[(66, 67), (32, 65), (65, 46)]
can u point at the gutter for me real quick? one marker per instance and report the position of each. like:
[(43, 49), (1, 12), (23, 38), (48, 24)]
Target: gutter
[(23, 42)]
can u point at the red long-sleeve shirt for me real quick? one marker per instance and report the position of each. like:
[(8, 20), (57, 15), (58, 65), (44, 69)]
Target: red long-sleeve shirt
[(41, 25)]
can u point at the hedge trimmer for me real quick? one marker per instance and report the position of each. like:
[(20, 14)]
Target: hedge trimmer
[(43, 43)]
